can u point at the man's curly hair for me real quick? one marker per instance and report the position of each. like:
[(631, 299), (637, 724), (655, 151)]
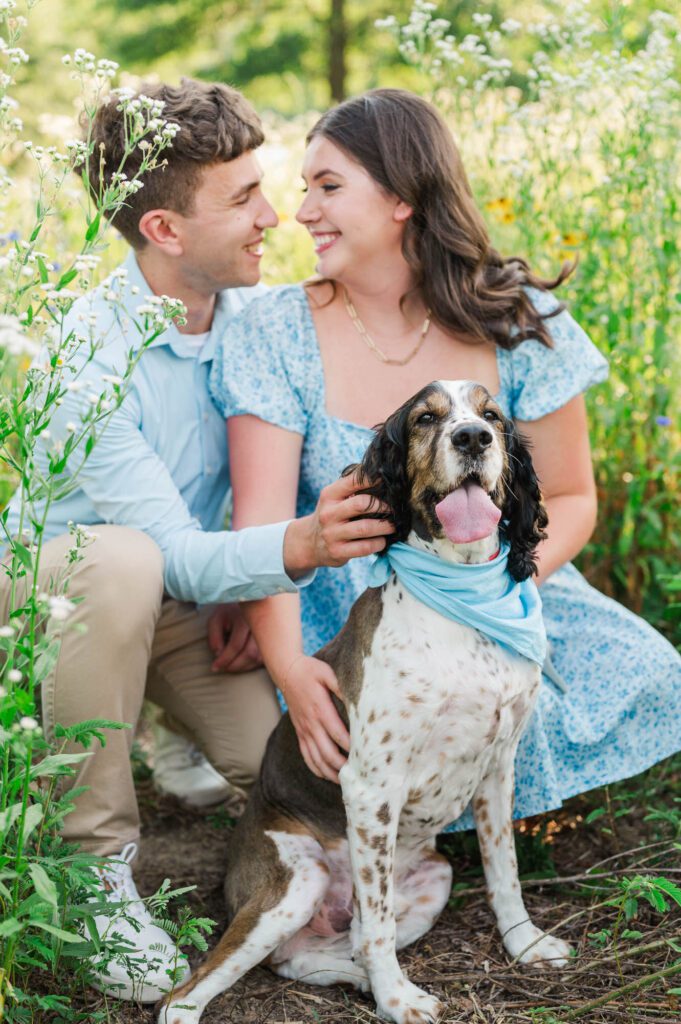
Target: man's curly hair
[(216, 124)]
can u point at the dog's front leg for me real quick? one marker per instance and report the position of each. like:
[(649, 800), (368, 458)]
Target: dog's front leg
[(373, 817), (492, 807)]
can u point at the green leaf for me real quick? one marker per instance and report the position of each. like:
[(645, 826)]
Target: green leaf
[(593, 815), (34, 815), (44, 277), (66, 278), (10, 926), (58, 932), (44, 885), (23, 554), (670, 888), (54, 763), (93, 227)]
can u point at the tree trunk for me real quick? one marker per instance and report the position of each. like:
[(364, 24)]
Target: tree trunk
[(337, 44)]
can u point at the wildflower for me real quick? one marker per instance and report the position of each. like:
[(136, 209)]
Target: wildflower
[(13, 339), (3, 692), (29, 724), (59, 607), (14, 675), (572, 239), (6, 632), (663, 421)]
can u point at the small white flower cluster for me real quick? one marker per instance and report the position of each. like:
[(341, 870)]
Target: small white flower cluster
[(122, 185), (57, 606), (159, 311), (89, 70), (14, 340), (78, 151), (81, 537), (14, 54), (27, 725)]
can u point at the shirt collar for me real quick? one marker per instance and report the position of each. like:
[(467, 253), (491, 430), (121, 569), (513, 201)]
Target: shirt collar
[(225, 308)]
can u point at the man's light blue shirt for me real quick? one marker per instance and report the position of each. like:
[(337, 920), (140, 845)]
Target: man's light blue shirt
[(161, 464)]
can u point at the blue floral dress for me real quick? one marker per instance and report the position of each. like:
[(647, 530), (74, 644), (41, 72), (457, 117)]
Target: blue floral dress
[(621, 709)]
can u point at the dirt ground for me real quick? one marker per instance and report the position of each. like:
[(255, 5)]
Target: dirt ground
[(461, 959)]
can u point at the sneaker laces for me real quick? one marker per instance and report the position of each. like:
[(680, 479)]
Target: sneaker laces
[(116, 873)]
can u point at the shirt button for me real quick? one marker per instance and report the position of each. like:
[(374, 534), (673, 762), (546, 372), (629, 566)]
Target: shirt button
[(209, 470), (205, 417)]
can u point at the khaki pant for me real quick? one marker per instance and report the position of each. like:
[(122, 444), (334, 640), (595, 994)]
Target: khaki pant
[(139, 643)]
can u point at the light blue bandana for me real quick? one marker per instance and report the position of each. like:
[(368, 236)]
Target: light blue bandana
[(483, 596)]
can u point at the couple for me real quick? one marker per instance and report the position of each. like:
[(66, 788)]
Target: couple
[(409, 291)]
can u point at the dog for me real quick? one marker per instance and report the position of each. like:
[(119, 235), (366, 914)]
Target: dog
[(326, 882)]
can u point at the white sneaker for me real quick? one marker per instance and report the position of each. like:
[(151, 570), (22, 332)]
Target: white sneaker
[(148, 962), (181, 770)]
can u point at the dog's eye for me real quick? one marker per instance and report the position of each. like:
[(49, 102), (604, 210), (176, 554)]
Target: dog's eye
[(426, 417), (490, 415)]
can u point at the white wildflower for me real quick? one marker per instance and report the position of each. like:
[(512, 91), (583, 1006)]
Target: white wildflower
[(6, 632), (14, 340), (29, 724), (14, 675), (59, 607)]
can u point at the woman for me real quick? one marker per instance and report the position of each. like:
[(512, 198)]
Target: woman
[(412, 291)]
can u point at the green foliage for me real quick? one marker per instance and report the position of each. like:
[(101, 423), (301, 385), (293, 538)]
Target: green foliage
[(48, 891)]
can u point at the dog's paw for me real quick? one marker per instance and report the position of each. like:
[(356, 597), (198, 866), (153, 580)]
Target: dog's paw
[(181, 1012), (411, 1005), (544, 951)]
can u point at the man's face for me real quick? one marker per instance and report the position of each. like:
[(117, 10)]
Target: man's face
[(222, 240)]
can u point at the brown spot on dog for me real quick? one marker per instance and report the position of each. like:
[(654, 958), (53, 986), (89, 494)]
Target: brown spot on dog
[(372, 717), (367, 875), (387, 736), (348, 649), (363, 834), (383, 814)]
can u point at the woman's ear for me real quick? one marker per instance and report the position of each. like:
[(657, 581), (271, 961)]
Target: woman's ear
[(523, 514), (403, 211)]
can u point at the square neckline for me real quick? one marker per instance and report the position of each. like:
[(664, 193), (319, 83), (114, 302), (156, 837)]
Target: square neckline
[(312, 330)]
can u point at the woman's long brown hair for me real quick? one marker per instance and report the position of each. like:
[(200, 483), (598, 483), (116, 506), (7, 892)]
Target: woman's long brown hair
[(406, 147)]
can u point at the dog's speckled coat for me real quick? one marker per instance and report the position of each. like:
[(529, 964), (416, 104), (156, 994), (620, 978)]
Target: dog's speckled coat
[(326, 890)]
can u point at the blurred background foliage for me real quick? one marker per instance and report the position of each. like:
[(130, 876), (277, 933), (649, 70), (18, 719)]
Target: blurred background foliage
[(288, 55)]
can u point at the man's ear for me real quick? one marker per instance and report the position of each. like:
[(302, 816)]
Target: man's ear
[(160, 227)]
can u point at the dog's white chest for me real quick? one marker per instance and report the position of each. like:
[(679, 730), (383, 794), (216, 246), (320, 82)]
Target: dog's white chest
[(437, 700)]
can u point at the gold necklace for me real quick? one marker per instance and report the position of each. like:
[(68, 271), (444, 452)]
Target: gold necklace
[(371, 344)]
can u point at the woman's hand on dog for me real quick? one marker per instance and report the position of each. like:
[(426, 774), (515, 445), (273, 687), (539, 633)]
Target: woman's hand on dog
[(321, 732), (338, 529)]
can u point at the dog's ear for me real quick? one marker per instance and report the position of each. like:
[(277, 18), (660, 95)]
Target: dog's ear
[(523, 510), (384, 469)]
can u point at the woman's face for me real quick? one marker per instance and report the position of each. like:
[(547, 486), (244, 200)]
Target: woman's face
[(353, 223)]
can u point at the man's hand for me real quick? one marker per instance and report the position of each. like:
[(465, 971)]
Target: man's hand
[(336, 531), (231, 641), (319, 727)]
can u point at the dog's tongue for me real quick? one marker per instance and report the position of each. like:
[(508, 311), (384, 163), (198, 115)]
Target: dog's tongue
[(468, 514)]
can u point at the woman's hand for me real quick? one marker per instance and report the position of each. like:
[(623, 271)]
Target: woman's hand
[(320, 729)]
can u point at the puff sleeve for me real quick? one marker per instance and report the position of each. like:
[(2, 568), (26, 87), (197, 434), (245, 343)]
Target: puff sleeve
[(543, 379), (259, 365)]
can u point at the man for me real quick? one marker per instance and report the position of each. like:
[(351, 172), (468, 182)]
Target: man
[(162, 573)]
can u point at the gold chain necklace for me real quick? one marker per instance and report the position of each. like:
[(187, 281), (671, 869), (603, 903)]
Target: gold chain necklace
[(371, 344)]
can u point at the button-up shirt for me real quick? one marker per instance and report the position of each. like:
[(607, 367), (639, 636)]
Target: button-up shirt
[(161, 465)]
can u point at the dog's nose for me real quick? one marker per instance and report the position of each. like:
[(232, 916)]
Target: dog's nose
[(472, 439)]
